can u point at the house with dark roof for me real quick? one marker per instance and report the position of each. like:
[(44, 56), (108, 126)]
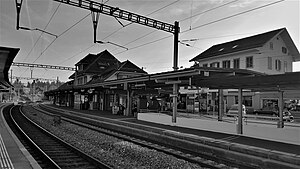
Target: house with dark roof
[(271, 52), (93, 69), (93, 65)]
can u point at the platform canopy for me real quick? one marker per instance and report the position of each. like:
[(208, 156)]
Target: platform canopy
[(206, 77), (7, 56), (284, 82), (183, 77)]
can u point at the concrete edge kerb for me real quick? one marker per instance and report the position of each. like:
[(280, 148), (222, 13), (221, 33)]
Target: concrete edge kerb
[(213, 143), (34, 164), (200, 148)]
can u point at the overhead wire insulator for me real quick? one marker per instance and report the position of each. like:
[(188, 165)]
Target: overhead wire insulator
[(95, 19), (18, 7)]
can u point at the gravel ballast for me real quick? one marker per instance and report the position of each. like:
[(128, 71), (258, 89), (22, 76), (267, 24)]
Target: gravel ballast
[(110, 150)]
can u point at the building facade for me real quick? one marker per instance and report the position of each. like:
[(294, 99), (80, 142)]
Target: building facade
[(271, 53), (94, 69)]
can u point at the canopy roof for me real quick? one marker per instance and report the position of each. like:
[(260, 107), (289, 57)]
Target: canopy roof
[(7, 56)]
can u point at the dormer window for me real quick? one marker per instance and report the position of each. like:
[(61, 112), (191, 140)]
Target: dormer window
[(234, 46), (221, 49)]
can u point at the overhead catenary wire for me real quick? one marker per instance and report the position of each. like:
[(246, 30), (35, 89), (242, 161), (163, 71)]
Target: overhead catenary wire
[(145, 15), (41, 35), (192, 1), (43, 31), (209, 23), (209, 10), (60, 36), (234, 15), (79, 52), (108, 35)]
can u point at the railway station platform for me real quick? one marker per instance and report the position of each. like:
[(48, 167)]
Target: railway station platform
[(17, 156), (13, 155), (207, 127)]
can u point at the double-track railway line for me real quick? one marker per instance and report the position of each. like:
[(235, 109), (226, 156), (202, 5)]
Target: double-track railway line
[(48, 150)]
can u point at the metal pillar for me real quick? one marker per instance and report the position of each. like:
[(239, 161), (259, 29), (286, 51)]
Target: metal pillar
[(176, 39), (10, 93), (175, 67), (75, 80), (221, 105), (128, 108), (280, 123), (175, 95), (240, 112)]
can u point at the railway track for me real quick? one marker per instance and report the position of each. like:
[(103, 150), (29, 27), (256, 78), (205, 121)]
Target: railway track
[(202, 160), (48, 150)]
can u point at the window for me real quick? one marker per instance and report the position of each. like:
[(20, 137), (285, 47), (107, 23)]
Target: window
[(278, 65), (271, 45), (249, 62), (270, 63), (285, 66), (215, 64), (79, 81), (284, 50), (85, 80), (246, 100), (236, 63), (205, 65), (226, 64)]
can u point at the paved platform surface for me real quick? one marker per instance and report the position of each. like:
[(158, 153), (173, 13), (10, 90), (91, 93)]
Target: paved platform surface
[(13, 154), (256, 142)]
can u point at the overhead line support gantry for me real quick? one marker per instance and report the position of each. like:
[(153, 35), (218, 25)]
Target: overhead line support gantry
[(96, 8), (33, 65)]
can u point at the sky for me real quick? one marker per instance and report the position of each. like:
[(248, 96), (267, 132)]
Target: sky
[(210, 22)]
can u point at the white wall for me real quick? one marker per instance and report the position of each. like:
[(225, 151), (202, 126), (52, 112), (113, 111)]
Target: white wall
[(241, 56), (260, 58), (276, 53)]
